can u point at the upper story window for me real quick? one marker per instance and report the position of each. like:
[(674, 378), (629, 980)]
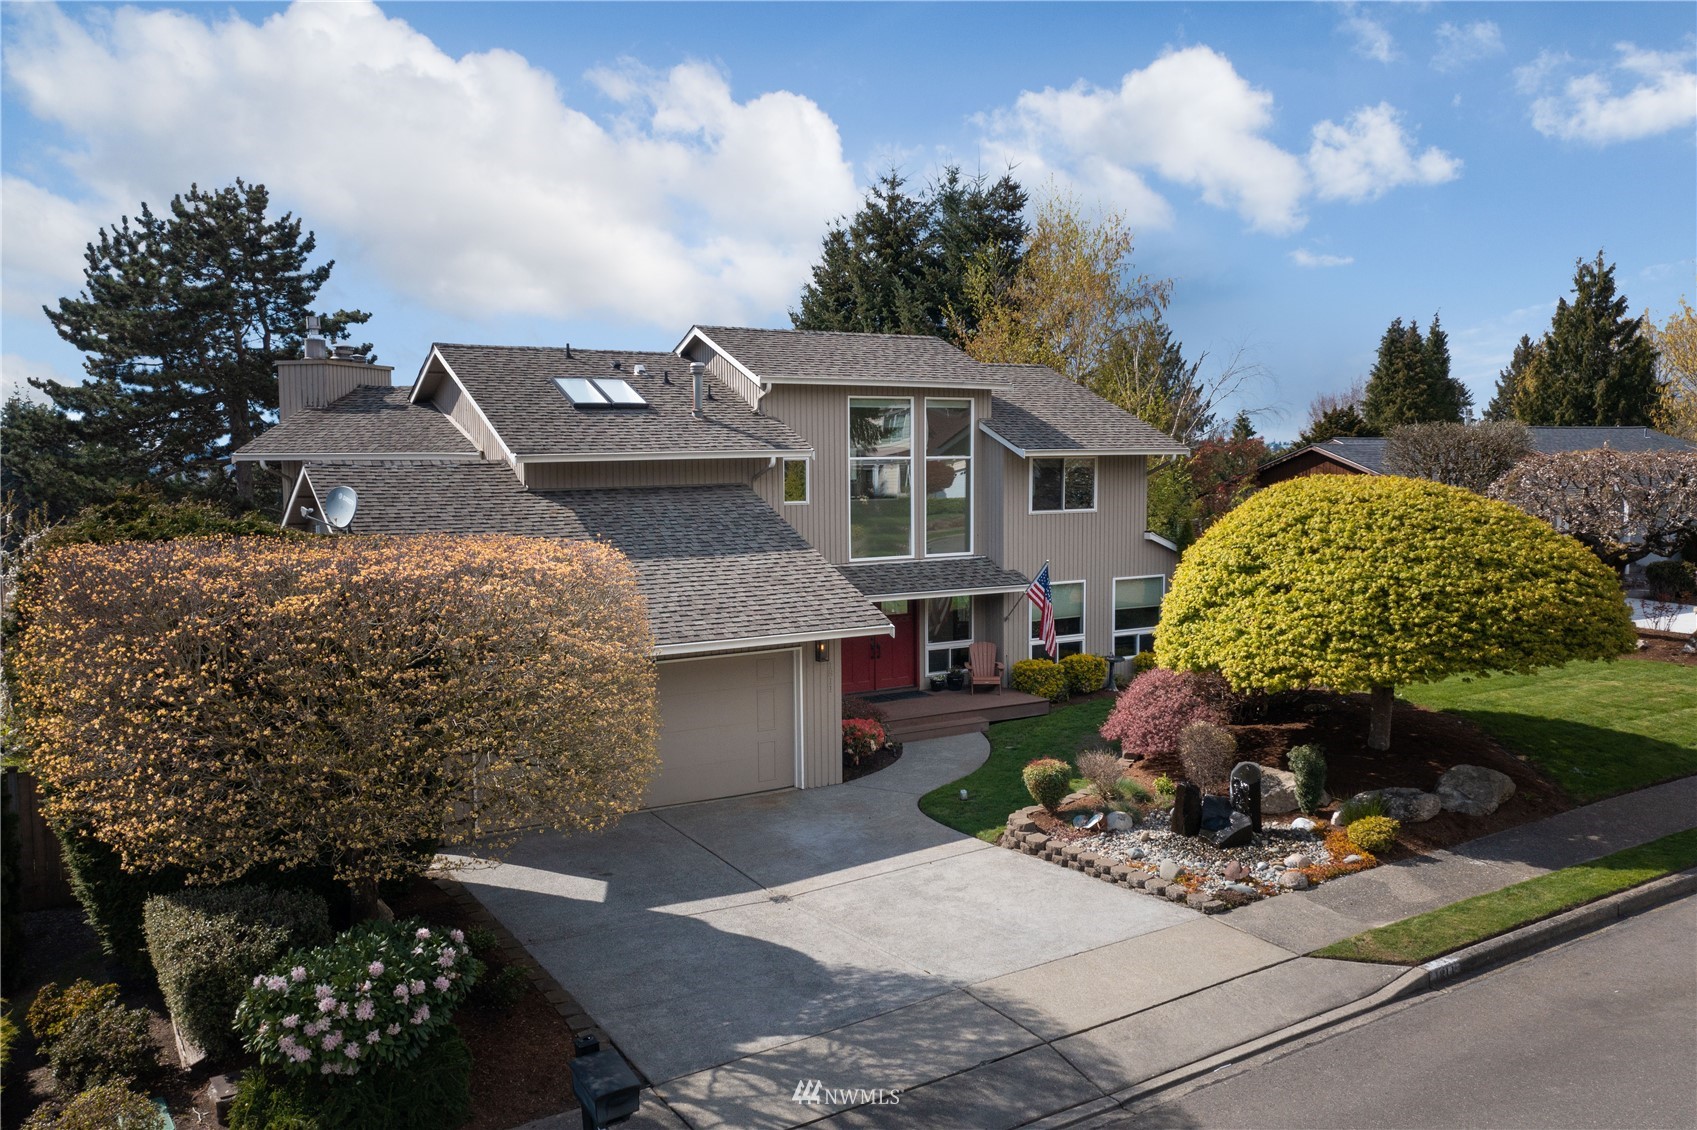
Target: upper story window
[(948, 476), (1063, 484), (795, 480), (880, 478)]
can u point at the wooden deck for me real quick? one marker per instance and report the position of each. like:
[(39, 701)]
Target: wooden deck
[(939, 714)]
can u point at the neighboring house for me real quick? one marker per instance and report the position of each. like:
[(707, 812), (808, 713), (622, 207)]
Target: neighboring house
[(808, 514), (1366, 456)]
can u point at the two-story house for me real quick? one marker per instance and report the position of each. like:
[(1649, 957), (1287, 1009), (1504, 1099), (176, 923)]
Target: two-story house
[(809, 514)]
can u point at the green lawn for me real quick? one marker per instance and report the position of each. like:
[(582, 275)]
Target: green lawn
[(995, 788), (1425, 936), (1596, 728)]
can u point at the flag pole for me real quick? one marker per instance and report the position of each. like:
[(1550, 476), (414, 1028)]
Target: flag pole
[(1021, 599)]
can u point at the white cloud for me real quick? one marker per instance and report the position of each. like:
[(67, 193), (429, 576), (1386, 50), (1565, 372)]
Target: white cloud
[(468, 183), (1303, 257), (1586, 107), (16, 371), (42, 237), (1370, 154), (1460, 45), (1372, 38)]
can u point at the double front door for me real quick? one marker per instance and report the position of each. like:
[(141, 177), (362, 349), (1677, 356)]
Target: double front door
[(876, 663)]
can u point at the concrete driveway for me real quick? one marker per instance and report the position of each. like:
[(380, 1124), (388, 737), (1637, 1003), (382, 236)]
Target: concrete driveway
[(706, 933)]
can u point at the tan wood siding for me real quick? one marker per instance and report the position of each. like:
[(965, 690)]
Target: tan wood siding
[(727, 373), (644, 473), (314, 384), (455, 403)]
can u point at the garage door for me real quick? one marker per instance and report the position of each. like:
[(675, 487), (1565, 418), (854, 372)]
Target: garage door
[(727, 727)]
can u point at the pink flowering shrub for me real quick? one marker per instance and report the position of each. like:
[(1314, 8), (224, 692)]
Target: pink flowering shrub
[(862, 737), (1154, 709), (374, 996)]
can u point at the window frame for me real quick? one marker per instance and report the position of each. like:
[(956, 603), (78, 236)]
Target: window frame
[(806, 481), (948, 645), (1063, 460), (1114, 633), (913, 511), (971, 473), (1034, 645)]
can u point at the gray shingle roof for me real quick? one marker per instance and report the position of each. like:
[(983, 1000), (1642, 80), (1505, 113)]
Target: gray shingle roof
[(1042, 411), (514, 385), (715, 563), (787, 356), (367, 421), (940, 576), (1363, 451), (1551, 440)]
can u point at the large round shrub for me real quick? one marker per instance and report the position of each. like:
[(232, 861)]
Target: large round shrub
[(1042, 677), (1154, 709), (1363, 582), (1085, 673)]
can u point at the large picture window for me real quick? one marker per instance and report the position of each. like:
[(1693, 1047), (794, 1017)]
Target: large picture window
[(948, 476), (1137, 609), (948, 633), (880, 478), (1063, 484), (1068, 599)]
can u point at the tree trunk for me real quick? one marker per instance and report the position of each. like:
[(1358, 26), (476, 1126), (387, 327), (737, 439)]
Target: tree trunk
[(1379, 720)]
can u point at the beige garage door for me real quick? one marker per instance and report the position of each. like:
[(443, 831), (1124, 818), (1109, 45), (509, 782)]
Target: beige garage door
[(727, 727)]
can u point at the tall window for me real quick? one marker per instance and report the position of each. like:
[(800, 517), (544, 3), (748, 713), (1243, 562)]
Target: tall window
[(948, 476), (880, 478), (1063, 484), (795, 480), (948, 633), (1068, 600), (1137, 609)]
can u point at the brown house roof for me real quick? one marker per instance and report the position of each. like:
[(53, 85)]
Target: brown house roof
[(514, 386), (1042, 412), (370, 421), (818, 356), (716, 564)]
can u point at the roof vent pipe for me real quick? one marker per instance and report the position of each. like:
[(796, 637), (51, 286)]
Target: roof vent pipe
[(316, 347), (698, 374)]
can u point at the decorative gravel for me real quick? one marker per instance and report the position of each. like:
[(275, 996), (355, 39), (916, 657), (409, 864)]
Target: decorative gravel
[(1151, 844)]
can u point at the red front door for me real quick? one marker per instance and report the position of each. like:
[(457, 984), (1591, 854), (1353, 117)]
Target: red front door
[(876, 663)]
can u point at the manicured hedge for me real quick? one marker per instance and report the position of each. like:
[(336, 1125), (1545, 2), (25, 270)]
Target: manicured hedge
[(1041, 677), (1085, 673), (208, 943)]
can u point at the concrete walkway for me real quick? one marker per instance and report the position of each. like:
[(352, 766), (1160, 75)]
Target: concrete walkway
[(988, 988)]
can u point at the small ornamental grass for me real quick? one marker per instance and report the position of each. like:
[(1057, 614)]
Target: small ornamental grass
[(375, 996)]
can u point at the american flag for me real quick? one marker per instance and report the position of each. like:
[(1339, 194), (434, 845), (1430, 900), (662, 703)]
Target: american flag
[(1038, 594)]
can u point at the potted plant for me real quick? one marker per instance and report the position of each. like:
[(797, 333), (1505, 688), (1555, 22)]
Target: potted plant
[(957, 678), (938, 682)]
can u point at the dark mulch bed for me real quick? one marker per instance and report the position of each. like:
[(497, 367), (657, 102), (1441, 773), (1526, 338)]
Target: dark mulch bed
[(1424, 743), (880, 759), (1664, 648)]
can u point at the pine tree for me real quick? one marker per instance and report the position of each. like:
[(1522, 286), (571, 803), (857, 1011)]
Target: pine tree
[(182, 319), (1410, 382), (1345, 420), (1509, 380), (1598, 364)]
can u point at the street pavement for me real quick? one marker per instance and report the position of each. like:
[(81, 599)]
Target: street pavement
[(1598, 1032)]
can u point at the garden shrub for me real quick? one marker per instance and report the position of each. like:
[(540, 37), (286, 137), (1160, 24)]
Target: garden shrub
[(861, 738), (1672, 580), (1102, 770), (1153, 711), (501, 986), (1308, 765), (373, 997), (1133, 790), (1357, 807), (54, 1008), (1142, 662), (109, 1043), (1373, 834), (8, 1036), (1208, 751), (431, 1092), (1048, 781), (101, 1107), (1166, 786), (1041, 677), (111, 897), (11, 886), (207, 944), (1085, 673), (856, 707)]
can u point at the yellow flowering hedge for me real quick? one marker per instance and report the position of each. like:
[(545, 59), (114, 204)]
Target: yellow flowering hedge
[(1356, 582), (222, 703)]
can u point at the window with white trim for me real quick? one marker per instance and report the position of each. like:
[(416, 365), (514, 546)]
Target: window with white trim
[(948, 477), (1063, 484), (948, 633), (880, 478), (1137, 609), (1068, 600), (795, 481)]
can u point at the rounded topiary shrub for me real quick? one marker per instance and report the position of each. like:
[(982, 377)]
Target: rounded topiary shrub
[(1153, 711), (100, 1107), (1048, 781), (108, 1044), (1374, 834), (1041, 677), (1308, 766), (1085, 673)]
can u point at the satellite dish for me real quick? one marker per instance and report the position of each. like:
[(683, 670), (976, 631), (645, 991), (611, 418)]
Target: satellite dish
[(339, 507)]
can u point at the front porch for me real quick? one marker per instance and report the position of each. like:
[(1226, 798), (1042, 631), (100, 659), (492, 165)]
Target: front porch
[(915, 714)]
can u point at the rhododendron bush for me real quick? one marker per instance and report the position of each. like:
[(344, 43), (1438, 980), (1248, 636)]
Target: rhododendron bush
[(376, 995), (220, 704)]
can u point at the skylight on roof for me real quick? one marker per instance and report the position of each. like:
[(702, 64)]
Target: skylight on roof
[(606, 393)]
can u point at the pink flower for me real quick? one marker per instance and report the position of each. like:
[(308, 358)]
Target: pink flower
[(298, 973), (402, 992), (422, 1014), (446, 959), (329, 1042), (323, 991), (375, 969), (393, 1029), (417, 987), (316, 1027), (457, 936), (422, 934), (374, 1035), (351, 1051), (258, 980), (441, 984), (342, 1010), (327, 1004), (276, 984), (365, 1011), (292, 1020), (300, 1055)]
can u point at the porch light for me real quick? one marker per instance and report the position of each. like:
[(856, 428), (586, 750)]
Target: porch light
[(821, 651)]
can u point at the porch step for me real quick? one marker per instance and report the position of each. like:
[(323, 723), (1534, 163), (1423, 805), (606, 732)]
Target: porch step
[(946, 726)]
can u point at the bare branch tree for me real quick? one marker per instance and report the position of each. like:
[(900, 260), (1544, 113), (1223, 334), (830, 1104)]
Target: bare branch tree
[(1468, 457), (1623, 505)]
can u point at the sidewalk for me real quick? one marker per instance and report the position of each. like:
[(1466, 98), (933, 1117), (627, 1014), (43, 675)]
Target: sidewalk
[(1072, 1034)]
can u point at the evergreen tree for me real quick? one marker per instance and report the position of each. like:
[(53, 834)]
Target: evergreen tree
[(1410, 382), (182, 319), (1510, 379), (1332, 423), (1243, 428), (1597, 363)]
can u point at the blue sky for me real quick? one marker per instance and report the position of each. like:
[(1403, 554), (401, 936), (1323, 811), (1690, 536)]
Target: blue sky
[(608, 174)]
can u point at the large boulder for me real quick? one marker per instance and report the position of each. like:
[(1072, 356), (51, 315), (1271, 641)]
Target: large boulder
[(1278, 792), (1409, 806), (1474, 790)]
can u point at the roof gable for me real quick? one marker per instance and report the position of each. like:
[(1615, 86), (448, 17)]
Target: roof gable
[(1042, 412), (829, 357), (371, 421)]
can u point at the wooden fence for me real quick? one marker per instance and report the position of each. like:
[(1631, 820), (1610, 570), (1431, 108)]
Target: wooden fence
[(44, 880)]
